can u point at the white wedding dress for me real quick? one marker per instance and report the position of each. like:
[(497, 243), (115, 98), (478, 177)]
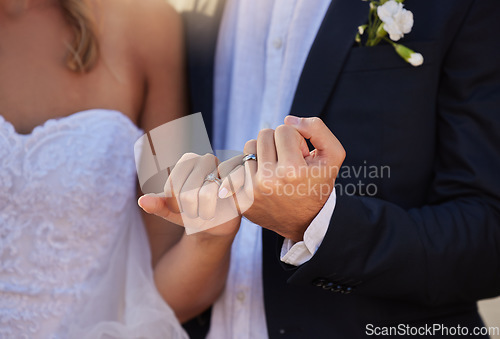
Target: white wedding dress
[(74, 256)]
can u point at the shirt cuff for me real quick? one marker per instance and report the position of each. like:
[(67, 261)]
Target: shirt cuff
[(296, 254)]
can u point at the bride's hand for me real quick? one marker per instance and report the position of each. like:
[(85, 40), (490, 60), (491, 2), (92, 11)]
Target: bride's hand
[(192, 200)]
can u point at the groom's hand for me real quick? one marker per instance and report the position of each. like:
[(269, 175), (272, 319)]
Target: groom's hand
[(291, 184)]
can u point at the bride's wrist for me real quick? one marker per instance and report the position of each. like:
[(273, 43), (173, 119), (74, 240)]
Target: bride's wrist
[(227, 230)]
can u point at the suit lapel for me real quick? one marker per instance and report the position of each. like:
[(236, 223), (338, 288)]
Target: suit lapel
[(326, 58)]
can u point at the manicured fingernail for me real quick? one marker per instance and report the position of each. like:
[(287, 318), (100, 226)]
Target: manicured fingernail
[(147, 202), (223, 193), (292, 120)]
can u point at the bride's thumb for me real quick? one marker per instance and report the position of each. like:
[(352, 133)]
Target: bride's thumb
[(151, 203)]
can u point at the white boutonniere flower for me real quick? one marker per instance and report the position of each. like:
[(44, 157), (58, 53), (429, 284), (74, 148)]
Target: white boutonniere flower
[(397, 20), (389, 17)]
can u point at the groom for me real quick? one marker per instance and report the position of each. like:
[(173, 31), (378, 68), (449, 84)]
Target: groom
[(410, 237)]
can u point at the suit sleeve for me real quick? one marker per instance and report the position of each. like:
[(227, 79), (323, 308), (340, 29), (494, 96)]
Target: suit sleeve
[(448, 250)]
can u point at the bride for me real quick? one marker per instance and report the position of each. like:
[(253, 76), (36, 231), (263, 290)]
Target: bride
[(81, 81)]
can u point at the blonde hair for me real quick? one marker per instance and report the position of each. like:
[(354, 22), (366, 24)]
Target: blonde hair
[(84, 49)]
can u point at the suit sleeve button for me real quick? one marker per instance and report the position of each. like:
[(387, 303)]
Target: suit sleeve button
[(319, 282), (337, 288), (328, 286), (347, 290)]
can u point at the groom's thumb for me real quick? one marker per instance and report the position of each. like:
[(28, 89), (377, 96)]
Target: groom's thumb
[(320, 136)]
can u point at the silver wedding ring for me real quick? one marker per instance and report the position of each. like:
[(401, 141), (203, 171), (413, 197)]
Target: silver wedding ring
[(213, 178), (248, 157)]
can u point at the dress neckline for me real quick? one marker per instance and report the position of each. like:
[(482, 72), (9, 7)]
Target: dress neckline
[(58, 120)]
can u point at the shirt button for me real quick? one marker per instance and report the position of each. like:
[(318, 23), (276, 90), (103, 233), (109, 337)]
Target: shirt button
[(240, 296), (277, 43)]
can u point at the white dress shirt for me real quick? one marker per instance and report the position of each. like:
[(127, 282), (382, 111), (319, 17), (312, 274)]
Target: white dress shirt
[(262, 49)]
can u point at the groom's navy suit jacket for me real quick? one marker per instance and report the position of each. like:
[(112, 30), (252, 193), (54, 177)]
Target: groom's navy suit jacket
[(426, 247)]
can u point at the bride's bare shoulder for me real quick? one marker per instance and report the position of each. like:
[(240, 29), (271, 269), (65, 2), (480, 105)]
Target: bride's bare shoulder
[(151, 16), (146, 26), (136, 10)]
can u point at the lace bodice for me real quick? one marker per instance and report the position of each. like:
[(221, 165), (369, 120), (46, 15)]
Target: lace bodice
[(67, 191)]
